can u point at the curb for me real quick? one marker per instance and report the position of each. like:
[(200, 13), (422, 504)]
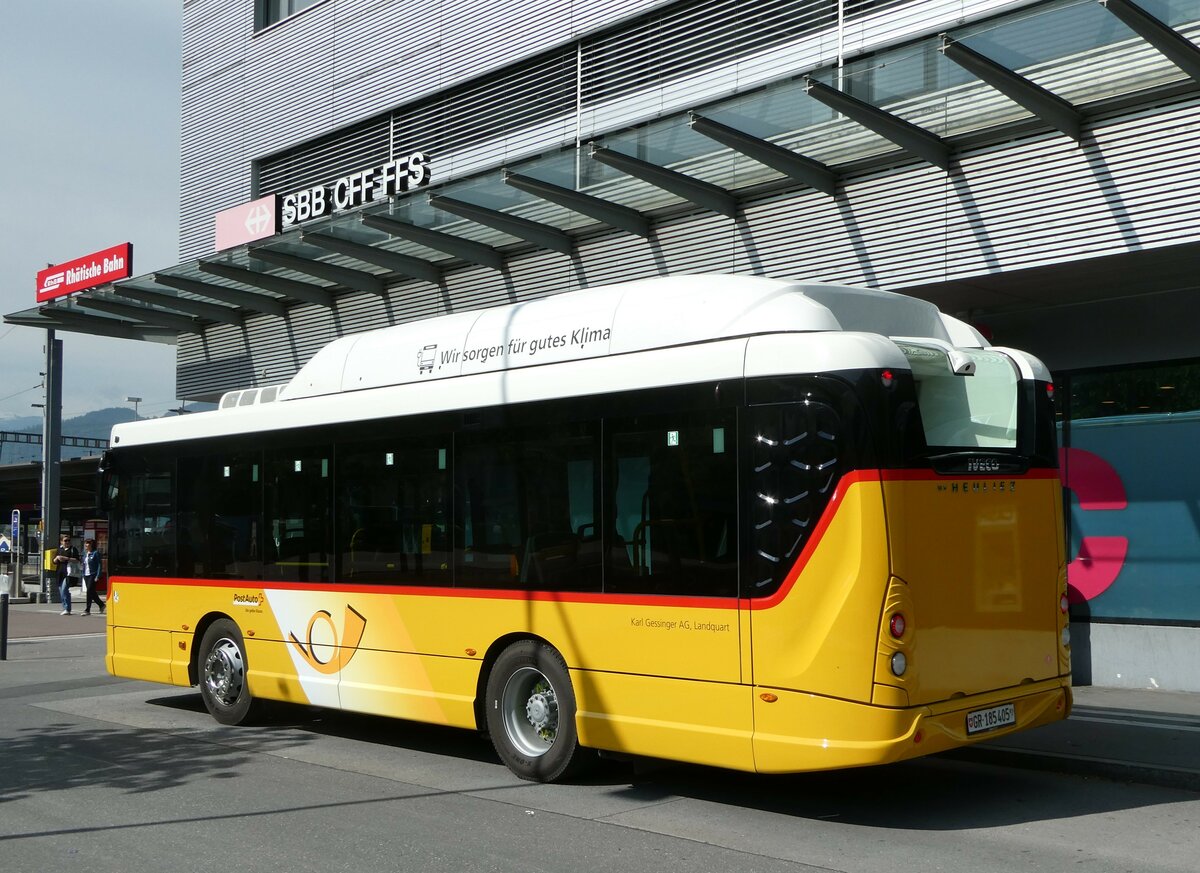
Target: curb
[(1160, 775)]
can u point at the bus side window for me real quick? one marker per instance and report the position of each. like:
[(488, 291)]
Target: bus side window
[(673, 505), (527, 509), (796, 459), (298, 496), (143, 535), (394, 512)]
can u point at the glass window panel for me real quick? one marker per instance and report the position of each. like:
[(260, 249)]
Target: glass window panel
[(277, 10), (527, 509), (1134, 530), (977, 411), (772, 112), (299, 494), (144, 524), (394, 513), (1071, 50), (1163, 390), (1063, 30), (673, 505), (220, 516), (1173, 12)]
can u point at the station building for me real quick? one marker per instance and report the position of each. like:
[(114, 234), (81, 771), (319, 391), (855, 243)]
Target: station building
[(1028, 166)]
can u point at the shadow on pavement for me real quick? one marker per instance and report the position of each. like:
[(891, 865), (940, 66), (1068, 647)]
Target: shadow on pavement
[(939, 793)]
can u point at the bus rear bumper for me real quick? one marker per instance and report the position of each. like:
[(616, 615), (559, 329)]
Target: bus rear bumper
[(799, 732)]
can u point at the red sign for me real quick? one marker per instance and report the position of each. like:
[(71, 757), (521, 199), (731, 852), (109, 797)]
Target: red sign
[(248, 222), (98, 268)]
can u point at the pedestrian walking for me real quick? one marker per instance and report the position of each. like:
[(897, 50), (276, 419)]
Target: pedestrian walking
[(92, 566), (66, 556)]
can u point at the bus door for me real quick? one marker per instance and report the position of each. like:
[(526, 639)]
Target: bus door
[(974, 521)]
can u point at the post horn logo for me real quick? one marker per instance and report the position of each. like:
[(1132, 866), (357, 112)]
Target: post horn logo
[(343, 650)]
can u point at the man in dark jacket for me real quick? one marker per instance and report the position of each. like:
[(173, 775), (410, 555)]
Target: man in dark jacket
[(91, 576), (62, 565)]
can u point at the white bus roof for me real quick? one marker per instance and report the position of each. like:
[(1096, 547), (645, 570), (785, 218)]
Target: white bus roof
[(607, 320), (636, 335)]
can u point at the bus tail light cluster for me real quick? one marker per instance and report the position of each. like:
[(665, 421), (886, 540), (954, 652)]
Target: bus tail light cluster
[(894, 660)]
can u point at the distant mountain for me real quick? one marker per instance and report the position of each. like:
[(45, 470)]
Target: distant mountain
[(22, 422), (97, 424)]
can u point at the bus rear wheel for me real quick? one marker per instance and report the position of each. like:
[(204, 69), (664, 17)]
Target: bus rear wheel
[(222, 669), (531, 712)]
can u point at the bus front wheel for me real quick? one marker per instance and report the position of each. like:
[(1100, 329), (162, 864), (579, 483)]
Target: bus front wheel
[(222, 671), (531, 712)]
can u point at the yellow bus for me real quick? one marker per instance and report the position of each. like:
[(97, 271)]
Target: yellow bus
[(758, 524)]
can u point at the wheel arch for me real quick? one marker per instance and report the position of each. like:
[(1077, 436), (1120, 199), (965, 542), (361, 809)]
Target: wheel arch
[(489, 661)]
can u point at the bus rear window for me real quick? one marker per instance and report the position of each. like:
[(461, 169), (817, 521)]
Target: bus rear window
[(961, 411)]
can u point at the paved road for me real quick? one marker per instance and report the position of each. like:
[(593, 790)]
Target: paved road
[(104, 774)]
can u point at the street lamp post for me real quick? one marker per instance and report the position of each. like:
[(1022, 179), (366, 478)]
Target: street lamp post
[(135, 401)]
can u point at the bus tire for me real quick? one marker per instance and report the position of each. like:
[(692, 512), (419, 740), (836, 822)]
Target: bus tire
[(531, 712), (222, 671)]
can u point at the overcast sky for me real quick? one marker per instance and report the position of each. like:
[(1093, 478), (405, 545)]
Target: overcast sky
[(89, 157)]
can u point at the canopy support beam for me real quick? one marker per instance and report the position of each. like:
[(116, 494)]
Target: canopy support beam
[(604, 211), (703, 194), (455, 246), (915, 140), (1046, 105), (796, 166)]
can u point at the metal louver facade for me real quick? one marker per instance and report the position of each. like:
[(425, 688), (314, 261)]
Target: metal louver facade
[(608, 65)]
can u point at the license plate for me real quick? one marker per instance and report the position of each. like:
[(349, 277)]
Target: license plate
[(990, 719)]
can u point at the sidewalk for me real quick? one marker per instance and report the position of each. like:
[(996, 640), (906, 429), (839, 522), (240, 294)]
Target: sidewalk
[(34, 620), (1126, 734)]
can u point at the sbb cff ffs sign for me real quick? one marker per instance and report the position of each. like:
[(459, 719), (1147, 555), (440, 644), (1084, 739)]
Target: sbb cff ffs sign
[(98, 268), (394, 177)]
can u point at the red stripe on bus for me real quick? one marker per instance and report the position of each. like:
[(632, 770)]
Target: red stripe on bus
[(433, 591)]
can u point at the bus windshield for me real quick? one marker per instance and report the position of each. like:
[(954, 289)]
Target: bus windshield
[(965, 411)]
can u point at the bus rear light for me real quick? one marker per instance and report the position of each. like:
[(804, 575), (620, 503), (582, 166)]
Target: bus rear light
[(1064, 604), (1050, 390), (899, 664), (888, 378), (897, 625), (1066, 636)]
